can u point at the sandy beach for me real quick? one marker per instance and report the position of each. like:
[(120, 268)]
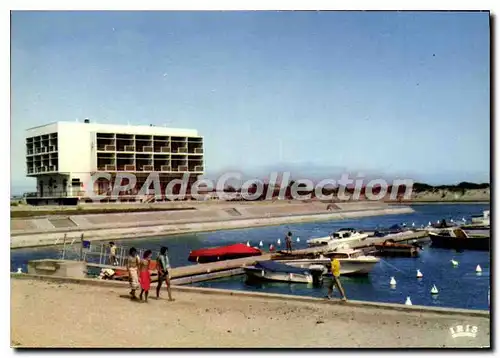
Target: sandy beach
[(49, 314)]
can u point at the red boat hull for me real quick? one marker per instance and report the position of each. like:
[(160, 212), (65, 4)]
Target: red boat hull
[(230, 252)]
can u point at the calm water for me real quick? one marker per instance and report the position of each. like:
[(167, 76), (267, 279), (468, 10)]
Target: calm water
[(458, 287)]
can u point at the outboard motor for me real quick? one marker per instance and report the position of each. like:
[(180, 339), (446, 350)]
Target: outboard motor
[(317, 272)]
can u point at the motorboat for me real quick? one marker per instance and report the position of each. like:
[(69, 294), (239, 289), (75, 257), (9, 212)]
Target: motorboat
[(352, 262), (338, 238), (277, 271), (479, 222), (230, 252), (456, 238), (393, 230), (442, 225), (482, 220)]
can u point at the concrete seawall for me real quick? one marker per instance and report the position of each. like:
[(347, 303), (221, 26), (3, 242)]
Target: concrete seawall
[(45, 238)]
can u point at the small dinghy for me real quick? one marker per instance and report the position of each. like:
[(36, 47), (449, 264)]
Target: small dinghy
[(393, 230), (275, 271), (391, 248)]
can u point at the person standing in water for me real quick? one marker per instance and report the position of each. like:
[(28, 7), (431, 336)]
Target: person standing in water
[(288, 241), (133, 263), (144, 275), (335, 264), (163, 267)]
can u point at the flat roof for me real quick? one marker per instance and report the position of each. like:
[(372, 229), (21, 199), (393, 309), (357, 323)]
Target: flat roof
[(122, 128)]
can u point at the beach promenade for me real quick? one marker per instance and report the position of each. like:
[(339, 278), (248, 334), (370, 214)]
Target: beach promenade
[(59, 314)]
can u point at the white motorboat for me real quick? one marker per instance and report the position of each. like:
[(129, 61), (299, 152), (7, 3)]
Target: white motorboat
[(482, 219), (338, 238), (352, 262), (275, 271)]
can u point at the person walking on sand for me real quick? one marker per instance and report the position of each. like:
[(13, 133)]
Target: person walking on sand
[(144, 275), (163, 267), (335, 266), (112, 254), (288, 241), (133, 263)]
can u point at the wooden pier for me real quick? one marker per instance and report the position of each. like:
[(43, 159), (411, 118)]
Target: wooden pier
[(201, 269)]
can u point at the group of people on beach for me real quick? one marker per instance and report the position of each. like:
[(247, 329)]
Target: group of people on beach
[(140, 276)]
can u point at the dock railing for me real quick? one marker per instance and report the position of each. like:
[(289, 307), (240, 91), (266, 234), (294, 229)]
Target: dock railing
[(97, 253)]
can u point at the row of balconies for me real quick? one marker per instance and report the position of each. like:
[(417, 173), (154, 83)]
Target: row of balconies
[(126, 148), (126, 167), (149, 168), (148, 137), (42, 137), (148, 149), (43, 169), (48, 149)]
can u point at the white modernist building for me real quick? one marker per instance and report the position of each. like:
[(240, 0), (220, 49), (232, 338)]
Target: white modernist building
[(63, 155)]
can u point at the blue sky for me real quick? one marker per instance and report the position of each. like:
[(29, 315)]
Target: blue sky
[(400, 94)]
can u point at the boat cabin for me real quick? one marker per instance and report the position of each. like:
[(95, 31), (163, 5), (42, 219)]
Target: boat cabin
[(342, 234), (347, 229), (485, 216), (346, 254), (454, 232)]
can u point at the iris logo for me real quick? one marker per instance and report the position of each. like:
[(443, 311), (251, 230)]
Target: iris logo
[(463, 331)]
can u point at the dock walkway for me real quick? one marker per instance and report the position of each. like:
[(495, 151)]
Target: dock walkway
[(200, 269)]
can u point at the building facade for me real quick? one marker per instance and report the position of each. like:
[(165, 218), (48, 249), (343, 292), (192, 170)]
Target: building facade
[(63, 156)]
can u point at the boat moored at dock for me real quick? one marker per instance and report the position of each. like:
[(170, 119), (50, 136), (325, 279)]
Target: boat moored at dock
[(393, 230), (391, 248), (456, 238), (222, 253), (337, 238), (276, 271), (352, 262), (482, 220)]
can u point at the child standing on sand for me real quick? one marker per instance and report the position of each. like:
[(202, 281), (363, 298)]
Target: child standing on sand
[(144, 275)]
